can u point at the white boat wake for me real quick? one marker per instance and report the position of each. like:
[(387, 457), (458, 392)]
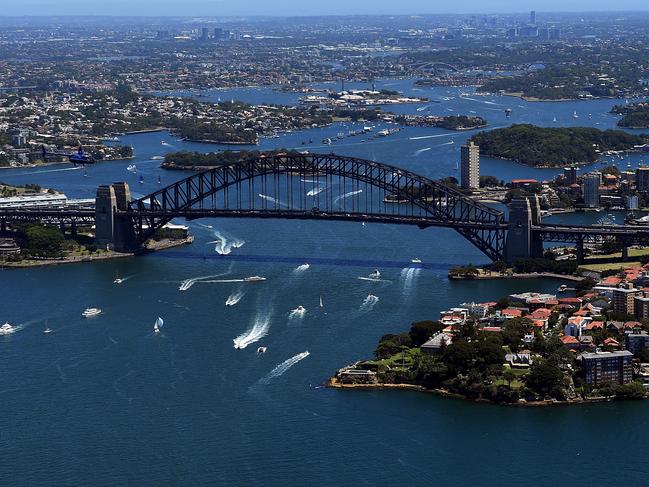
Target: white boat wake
[(347, 195), (188, 283), (255, 333), (273, 200), (408, 275), (301, 268), (224, 246), (316, 191), (283, 367), (234, 298), (422, 137), (421, 151), (369, 302)]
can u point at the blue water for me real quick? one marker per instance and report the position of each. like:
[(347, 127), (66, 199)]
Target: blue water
[(103, 401)]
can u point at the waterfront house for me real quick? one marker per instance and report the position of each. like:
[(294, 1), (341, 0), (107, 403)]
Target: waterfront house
[(437, 343)]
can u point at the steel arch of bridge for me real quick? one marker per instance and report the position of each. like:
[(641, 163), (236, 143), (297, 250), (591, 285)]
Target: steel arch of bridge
[(231, 190)]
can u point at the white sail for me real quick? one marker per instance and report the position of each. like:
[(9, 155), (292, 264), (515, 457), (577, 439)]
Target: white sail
[(158, 324), (321, 305)]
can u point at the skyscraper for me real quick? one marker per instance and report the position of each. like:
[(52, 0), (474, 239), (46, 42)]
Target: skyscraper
[(591, 182), (470, 170), (533, 17)]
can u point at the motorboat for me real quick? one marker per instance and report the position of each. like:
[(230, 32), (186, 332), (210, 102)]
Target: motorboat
[(261, 350), (119, 280), (563, 288), (47, 330), (415, 261), (254, 279), (383, 133), (132, 168), (7, 329), (300, 310), (89, 312), (375, 275)]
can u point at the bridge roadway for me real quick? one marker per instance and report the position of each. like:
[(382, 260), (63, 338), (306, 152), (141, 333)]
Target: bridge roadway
[(628, 234)]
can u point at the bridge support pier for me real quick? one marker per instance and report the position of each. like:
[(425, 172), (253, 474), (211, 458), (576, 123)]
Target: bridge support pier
[(521, 241), (113, 229), (580, 251)]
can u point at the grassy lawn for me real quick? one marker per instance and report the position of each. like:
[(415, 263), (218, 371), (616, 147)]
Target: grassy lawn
[(406, 358), (607, 267)]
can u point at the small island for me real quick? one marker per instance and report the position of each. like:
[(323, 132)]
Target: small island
[(635, 116), (554, 146), (448, 122)]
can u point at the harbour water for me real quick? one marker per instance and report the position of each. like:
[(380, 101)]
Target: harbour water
[(104, 401)]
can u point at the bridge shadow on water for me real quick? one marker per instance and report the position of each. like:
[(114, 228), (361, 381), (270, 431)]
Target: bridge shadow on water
[(328, 261)]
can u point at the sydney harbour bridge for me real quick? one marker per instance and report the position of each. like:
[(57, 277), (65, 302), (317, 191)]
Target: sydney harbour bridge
[(324, 187)]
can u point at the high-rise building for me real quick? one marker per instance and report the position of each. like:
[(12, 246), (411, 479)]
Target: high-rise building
[(470, 166), (570, 175), (205, 34), (218, 34), (642, 179), (533, 17), (603, 367), (591, 183), (623, 298)]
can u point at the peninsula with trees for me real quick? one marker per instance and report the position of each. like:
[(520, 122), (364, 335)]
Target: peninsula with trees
[(634, 116), (554, 146)]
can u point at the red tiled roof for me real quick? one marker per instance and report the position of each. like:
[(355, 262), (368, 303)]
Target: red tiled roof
[(512, 312), (569, 340), (611, 342), (594, 324)]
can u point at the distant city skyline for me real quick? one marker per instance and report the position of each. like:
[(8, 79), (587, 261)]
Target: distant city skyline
[(289, 7)]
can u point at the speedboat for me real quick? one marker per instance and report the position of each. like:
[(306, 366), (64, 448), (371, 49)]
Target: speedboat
[(47, 330), (7, 329), (261, 350), (89, 312), (300, 310), (118, 280), (254, 279), (415, 261), (375, 275)]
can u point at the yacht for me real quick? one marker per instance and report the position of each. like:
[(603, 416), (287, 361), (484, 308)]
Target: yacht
[(132, 168), (7, 329), (415, 261), (563, 288), (47, 330), (375, 275), (158, 325), (118, 280), (261, 350), (254, 279), (89, 312), (299, 310)]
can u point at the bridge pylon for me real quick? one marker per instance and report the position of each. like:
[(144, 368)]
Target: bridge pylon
[(113, 228), (521, 241)]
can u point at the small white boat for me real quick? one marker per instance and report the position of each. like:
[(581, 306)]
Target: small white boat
[(375, 275), (415, 261), (7, 329), (118, 280), (574, 114), (383, 133), (300, 310), (47, 330), (132, 168), (261, 350), (89, 312), (562, 288), (158, 325), (321, 304), (254, 279)]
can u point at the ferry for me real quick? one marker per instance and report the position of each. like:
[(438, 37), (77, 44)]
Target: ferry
[(254, 279), (89, 312), (7, 329)]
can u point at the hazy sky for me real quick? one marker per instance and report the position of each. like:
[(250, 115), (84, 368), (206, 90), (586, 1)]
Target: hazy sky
[(301, 7)]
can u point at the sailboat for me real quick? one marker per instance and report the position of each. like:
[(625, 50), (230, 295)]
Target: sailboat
[(554, 119), (158, 325), (47, 329), (159, 180), (321, 304), (141, 179), (574, 114)]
